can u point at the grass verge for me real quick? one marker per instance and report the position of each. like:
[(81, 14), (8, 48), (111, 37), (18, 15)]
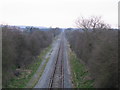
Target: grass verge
[(39, 74), (27, 74), (80, 75)]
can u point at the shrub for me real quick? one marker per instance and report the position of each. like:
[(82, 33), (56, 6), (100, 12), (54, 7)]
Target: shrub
[(20, 48), (99, 51)]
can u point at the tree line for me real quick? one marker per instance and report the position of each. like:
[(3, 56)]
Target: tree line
[(97, 47), (21, 48)]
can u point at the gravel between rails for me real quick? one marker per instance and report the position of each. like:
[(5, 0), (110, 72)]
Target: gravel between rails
[(56, 73)]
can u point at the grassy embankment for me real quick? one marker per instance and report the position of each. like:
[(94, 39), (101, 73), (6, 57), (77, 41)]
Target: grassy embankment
[(80, 75), (27, 74)]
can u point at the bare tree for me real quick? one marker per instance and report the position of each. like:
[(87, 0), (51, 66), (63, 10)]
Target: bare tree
[(91, 23), (21, 48), (99, 52)]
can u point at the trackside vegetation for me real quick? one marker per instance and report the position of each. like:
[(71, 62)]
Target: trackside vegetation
[(22, 53), (96, 44), (26, 75), (80, 75)]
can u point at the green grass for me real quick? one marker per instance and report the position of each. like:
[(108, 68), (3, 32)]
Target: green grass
[(40, 74), (80, 75), (24, 78)]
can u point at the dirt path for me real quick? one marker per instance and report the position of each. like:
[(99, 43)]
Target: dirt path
[(57, 73)]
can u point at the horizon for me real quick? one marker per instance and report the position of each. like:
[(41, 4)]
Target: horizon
[(43, 27)]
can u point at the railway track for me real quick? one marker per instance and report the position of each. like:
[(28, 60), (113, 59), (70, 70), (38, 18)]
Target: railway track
[(57, 78), (56, 73)]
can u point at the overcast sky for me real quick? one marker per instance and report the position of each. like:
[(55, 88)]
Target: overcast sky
[(56, 13)]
